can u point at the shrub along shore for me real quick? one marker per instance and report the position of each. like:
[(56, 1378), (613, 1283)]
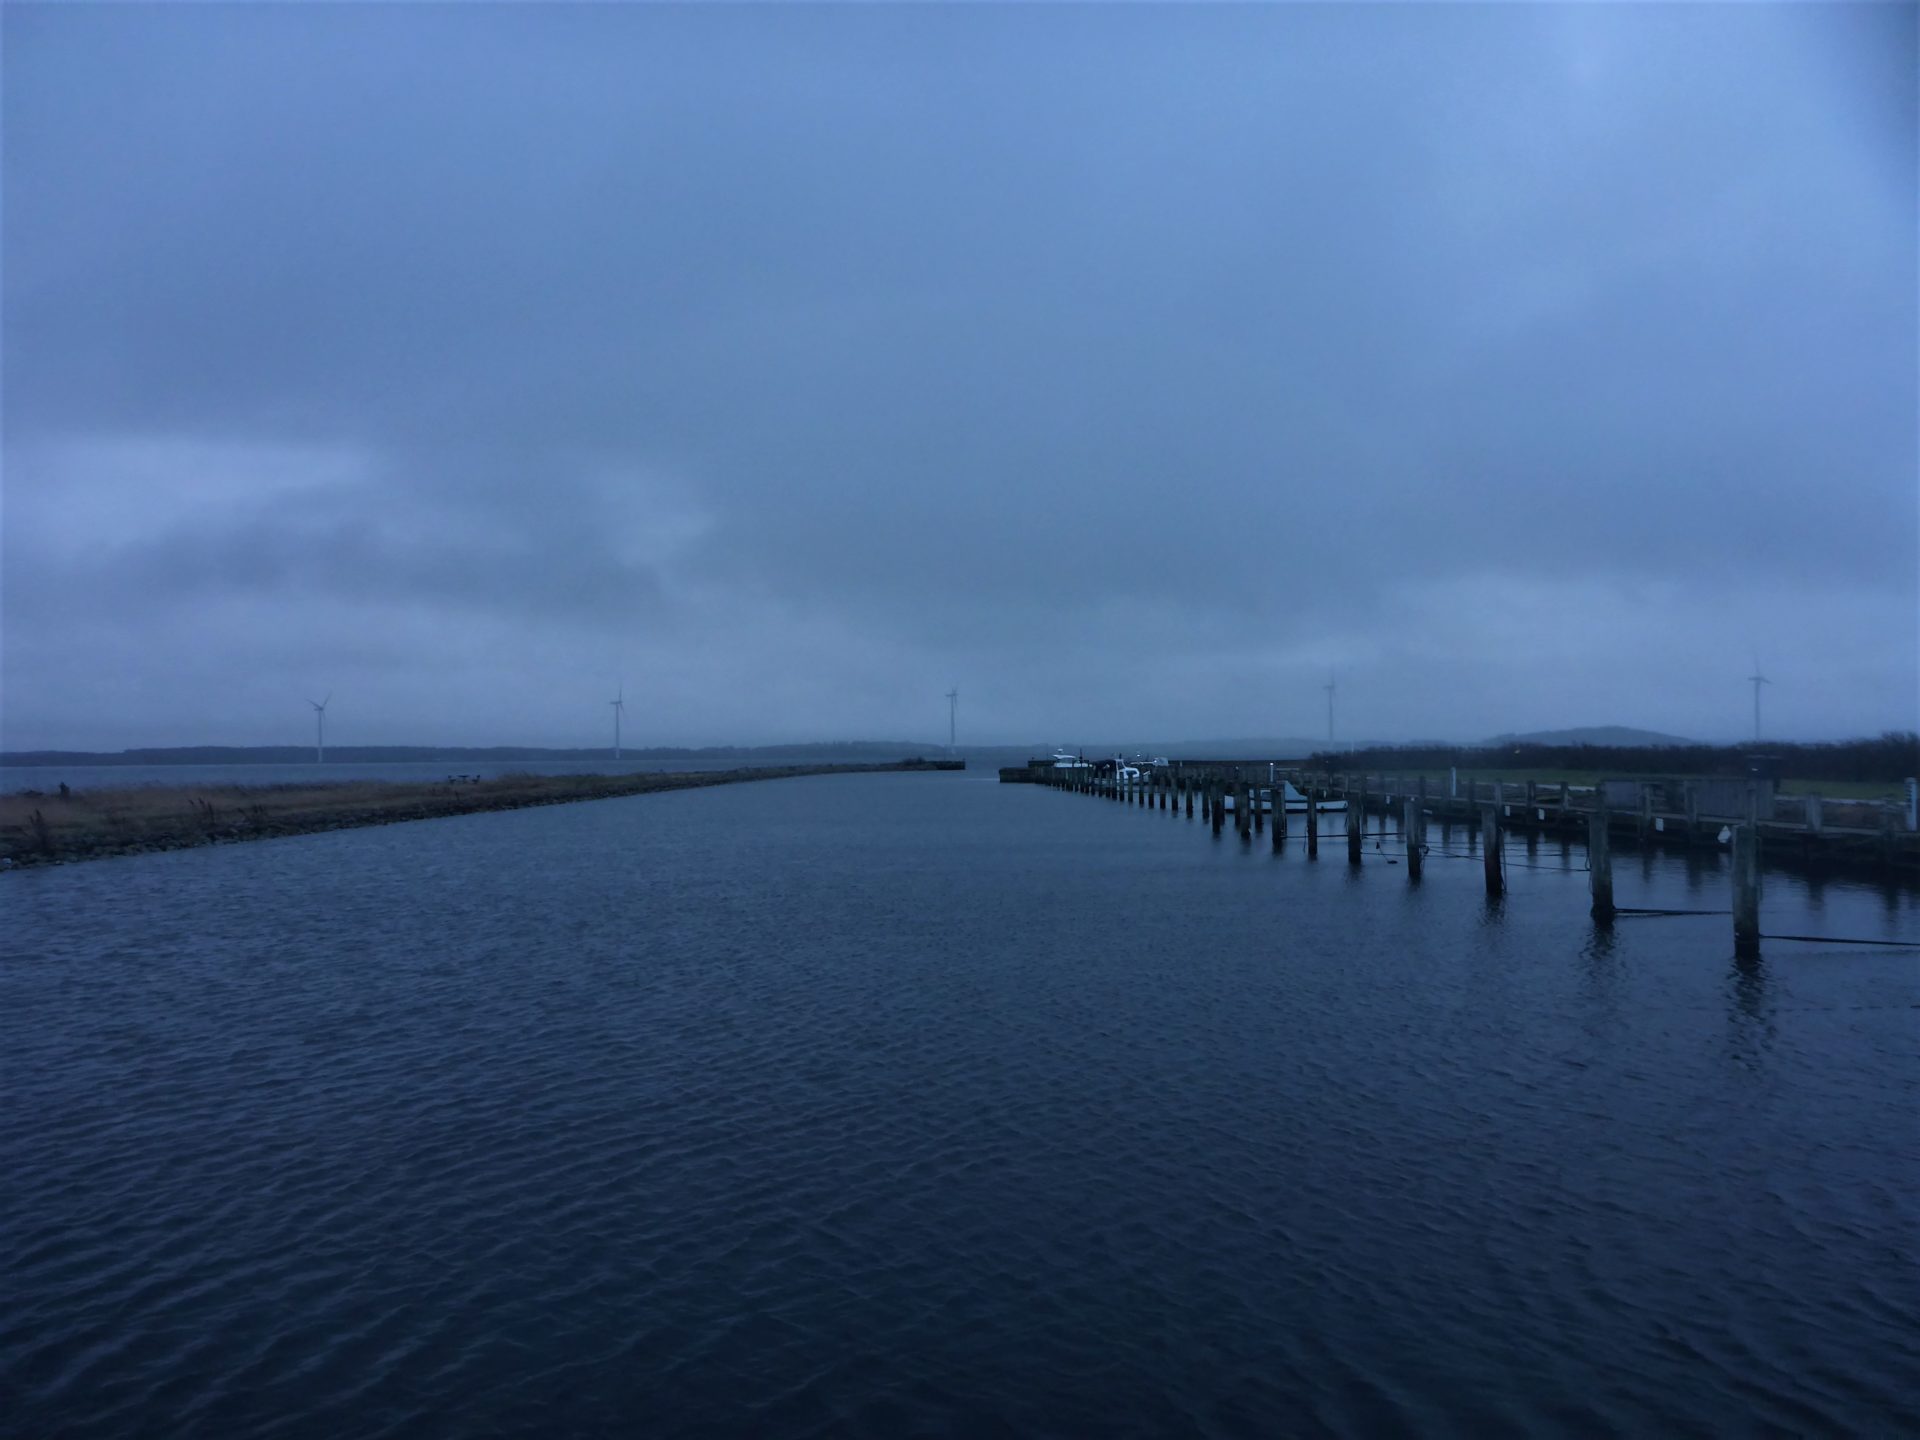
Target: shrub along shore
[(37, 829)]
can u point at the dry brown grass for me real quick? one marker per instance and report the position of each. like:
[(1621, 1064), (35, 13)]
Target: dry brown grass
[(37, 829)]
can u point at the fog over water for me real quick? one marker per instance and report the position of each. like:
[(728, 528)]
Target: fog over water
[(1129, 368)]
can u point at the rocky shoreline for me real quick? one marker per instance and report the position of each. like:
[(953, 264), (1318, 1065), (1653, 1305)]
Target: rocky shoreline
[(38, 829)]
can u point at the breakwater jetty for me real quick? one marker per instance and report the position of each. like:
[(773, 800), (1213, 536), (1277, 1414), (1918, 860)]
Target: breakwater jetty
[(1747, 817), (50, 829)]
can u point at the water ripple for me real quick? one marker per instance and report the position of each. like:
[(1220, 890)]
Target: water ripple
[(875, 1106)]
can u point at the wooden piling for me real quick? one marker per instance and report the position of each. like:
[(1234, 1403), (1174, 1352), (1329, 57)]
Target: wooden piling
[(1356, 817), (1490, 849), (1313, 820), (1216, 796), (1278, 823), (1746, 890), (1600, 863), (1187, 785), (1414, 826)]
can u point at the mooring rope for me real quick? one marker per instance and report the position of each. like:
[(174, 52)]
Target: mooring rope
[(1842, 940), (1632, 910)]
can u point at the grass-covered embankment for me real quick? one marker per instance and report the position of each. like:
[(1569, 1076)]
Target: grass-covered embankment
[(40, 829)]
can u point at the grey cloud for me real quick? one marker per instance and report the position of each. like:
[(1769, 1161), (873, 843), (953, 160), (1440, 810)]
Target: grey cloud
[(1010, 340)]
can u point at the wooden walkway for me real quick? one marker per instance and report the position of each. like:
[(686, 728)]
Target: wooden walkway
[(1245, 791)]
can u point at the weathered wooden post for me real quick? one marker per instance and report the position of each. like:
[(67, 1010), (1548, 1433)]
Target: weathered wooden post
[(1313, 822), (1646, 811), (1216, 794), (1690, 796), (1414, 824), (1746, 889), (1259, 815), (1187, 785), (1490, 849), (1278, 824), (1816, 817), (1356, 817), (1600, 860)]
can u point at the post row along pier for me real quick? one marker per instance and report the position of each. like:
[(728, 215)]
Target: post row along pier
[(1747, 816)]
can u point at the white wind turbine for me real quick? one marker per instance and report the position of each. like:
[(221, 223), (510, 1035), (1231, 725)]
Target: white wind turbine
[(320, 728), (619, 704), (1757, 680)]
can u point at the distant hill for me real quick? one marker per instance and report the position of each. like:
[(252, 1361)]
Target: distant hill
[(1593, 735)]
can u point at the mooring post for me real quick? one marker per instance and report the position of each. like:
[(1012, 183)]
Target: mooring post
[(1278, 824), (1746, 890), (1490, 848), (1313, 821), (1646, 810), (1216, 796), (1415, 826), (1356, 817), (1259, 815), (1186, 784), (1600, 861), (1816, 817)]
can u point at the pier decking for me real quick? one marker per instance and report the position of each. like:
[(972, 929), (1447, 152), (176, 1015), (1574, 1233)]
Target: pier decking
[(1748, 817)]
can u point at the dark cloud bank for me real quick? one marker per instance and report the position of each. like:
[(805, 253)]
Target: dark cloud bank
[(1130, 368)]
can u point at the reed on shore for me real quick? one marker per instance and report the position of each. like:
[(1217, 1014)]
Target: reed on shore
[(43, 829)]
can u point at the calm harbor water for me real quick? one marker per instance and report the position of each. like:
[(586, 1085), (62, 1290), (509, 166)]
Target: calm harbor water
[(878, 1105)]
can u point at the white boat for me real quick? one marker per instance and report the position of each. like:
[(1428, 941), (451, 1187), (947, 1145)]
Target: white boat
[(1296, 802)]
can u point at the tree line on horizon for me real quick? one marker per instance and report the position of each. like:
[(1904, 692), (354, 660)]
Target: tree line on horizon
[(1890, 756)]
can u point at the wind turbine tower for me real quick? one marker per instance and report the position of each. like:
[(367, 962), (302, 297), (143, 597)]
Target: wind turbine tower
[(1328, 687), (320, 728), (953, 716), (619, 704), (1757, 680)]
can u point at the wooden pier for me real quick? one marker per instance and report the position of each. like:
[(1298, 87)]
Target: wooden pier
[(1748, 818)]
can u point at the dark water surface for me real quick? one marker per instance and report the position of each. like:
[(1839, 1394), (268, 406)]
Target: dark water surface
[(897, 1104)]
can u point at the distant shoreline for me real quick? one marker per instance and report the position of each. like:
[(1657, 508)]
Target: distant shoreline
[(820, 751), (41, 829)]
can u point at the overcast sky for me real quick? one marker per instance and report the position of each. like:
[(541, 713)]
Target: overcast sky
[(1130, 368)]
